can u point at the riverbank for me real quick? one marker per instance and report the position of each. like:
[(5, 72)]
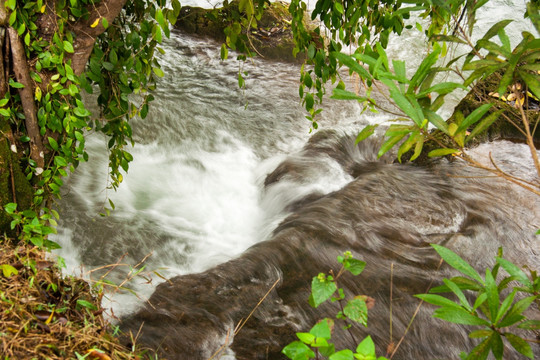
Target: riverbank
[(45, 315)]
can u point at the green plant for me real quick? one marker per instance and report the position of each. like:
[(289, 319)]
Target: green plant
[(494, 306), (316, 342), (51, 45)]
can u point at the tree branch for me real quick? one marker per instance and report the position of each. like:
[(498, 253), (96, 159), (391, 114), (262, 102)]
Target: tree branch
[(86, 35), (20, 68)]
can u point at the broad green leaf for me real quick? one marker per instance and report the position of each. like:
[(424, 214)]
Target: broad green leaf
[(306, 338), (354, 266), (322, 289), (366, 347), (53, 143), (68, 47), (459, 316), (309, 101), (520, 345), (356, 310), (442, 152), (457, 262), (10, 208), (473, 117), (323, 329), (8, 270), (158, 71), (342, 355), (60, 161), (365, 133), (298, 351)]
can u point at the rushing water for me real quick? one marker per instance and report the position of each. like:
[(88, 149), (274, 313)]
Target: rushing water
[(197, 193)]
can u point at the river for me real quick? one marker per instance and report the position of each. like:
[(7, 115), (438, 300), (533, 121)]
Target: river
[(195, 194)]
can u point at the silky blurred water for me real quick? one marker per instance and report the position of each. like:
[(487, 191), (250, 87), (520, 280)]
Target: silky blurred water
[(193, 197)]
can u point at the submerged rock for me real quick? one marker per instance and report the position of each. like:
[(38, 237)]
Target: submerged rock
[(388, 215)]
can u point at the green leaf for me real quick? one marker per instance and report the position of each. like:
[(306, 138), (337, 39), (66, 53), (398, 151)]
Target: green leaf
[(514, 314), (306, 338), (10, 208), (442, 152), (494, 30), (68, 47), (530, 325), (365, 133), (356, 310), (405, 105), (354, 266), (507, 302), (423, 70), (60, 161), (340, 94), (53, 143), (473, 117), (158, 71), (352, 65), (459, 316), (441, 88), (323, 329), (15, 84), (366, 347), (532, 81), (447, 38), (437, 300), (309, 101), (492, 296), (86, 304), (389, 144), (8, 270), (480, 333), (514, 271), (342, 355), (322, 288), (520, 345), (298, 351), (455, 261), (484, 124)]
